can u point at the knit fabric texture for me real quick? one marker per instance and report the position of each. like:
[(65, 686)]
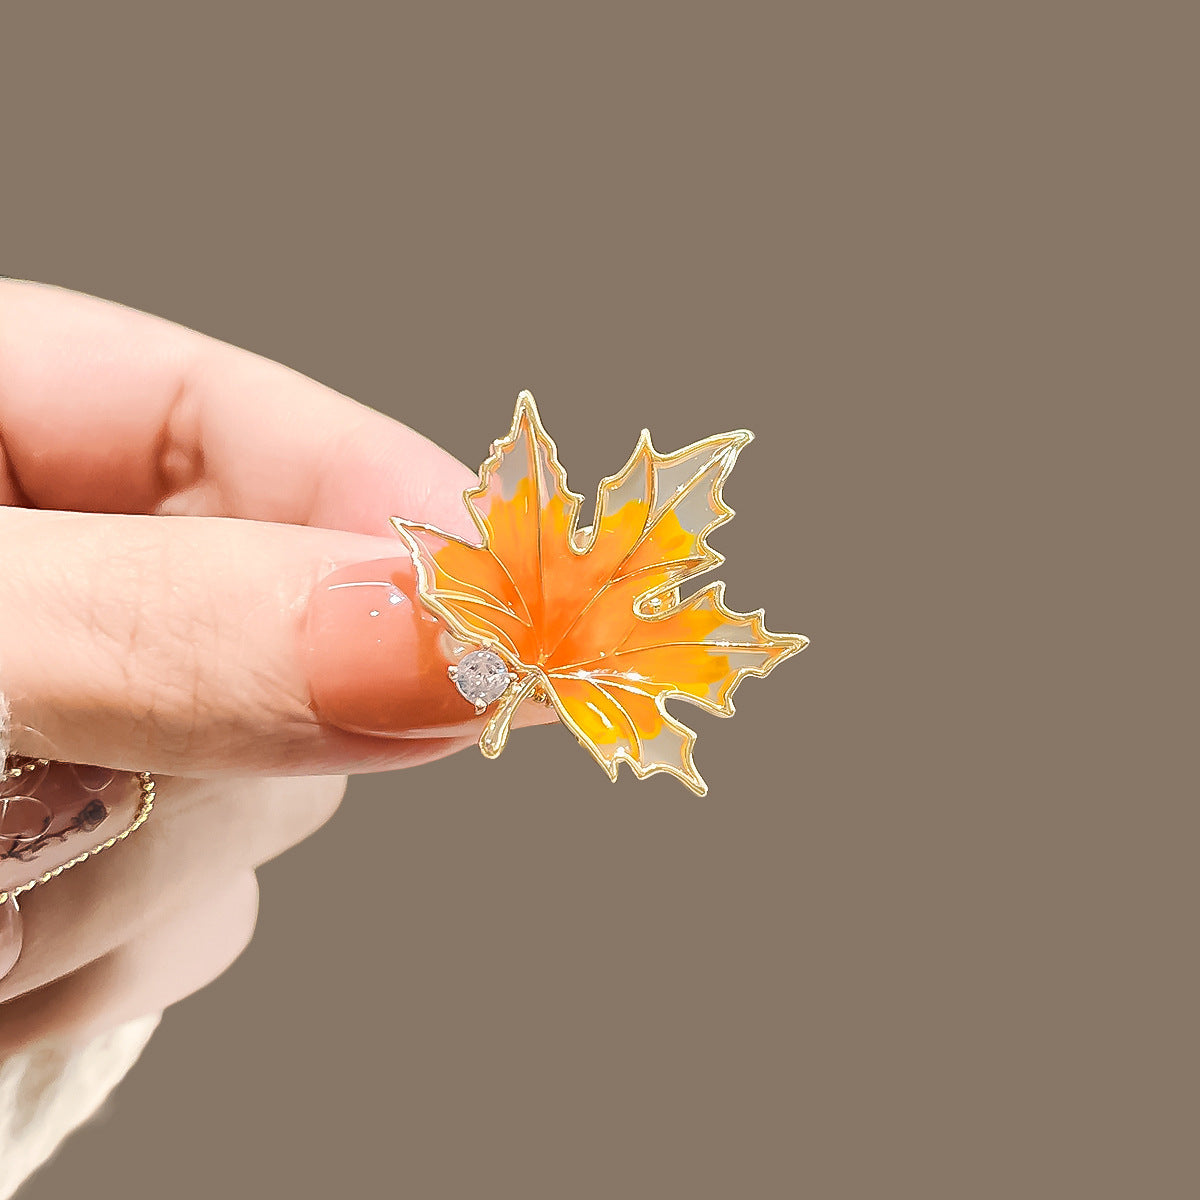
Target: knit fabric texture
[(50, 1090)]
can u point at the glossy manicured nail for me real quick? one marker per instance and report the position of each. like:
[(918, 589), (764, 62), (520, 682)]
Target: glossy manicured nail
[(376, 662), (10, 937)]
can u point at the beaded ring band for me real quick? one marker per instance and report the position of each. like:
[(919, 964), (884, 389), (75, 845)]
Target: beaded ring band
[(146, 785)]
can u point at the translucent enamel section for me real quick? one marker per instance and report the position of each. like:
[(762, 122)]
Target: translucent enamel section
[(471, 587), (698, 650), (654, 514), (626, 725), (527, 515)]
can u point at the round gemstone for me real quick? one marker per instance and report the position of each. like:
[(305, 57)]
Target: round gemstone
[(481, 676)]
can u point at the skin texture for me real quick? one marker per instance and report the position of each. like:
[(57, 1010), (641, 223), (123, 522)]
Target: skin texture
[(10, 936), (178, 504)]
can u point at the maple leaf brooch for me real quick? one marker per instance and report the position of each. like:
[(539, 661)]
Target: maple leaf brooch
[(591, 620)]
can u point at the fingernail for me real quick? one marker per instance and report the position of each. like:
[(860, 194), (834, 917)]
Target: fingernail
[(10, 936), (51, 813), (376, 661)]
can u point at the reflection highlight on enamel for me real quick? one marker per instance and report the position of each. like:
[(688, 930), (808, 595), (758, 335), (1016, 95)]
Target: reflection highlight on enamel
[(375, 662)]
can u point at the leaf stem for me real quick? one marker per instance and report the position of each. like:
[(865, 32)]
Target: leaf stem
[(495, 732)]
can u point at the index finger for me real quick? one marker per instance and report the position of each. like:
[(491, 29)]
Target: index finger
[(106, 409)]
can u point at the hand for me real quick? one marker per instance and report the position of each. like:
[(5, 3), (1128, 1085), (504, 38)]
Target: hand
[(201, 582)]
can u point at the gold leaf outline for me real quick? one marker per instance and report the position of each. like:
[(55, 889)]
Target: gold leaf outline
[(794, 642)]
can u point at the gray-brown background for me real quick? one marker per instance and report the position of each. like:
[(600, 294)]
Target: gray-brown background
[(932, 933)]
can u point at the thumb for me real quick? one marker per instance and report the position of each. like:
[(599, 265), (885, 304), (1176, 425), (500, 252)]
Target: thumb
[(203, 645)]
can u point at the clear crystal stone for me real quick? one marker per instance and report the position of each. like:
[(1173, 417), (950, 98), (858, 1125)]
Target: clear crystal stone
[(481, 676)]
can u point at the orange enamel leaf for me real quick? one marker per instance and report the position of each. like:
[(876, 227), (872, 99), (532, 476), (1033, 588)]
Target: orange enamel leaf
[(592, 620)]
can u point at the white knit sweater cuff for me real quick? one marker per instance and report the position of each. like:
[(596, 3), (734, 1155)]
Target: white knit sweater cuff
[(50, 1090)]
